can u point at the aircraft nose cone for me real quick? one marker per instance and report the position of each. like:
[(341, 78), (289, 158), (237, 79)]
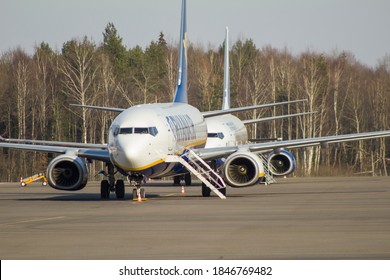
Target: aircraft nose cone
[(130, 156), (133, 153)]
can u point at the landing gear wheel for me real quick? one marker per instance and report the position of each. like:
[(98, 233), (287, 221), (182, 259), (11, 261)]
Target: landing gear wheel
[(104, 190), (206, 191), (176, 180), (120, 189), (221, 190), (187, 179)]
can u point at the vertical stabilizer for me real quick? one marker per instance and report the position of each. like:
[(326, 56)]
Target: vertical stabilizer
[(226, 77), (181, 88)]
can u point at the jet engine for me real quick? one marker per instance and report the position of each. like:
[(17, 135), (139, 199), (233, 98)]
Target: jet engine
[(67, 173), (242, 169), (282, 163)]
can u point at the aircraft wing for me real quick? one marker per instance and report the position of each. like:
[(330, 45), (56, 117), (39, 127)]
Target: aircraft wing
[(247, 108), (89, 153), (110, 109), (213, 153), (55, 143), (266, 119)]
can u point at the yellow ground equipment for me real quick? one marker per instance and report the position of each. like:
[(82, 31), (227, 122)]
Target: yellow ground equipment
[(40, 176)]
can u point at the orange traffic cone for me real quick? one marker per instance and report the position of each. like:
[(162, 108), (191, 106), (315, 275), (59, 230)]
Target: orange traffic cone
[(139, 198), (183, 190)]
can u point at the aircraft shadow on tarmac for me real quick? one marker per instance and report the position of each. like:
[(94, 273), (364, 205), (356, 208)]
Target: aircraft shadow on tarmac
[(83, 197), (179, 196)]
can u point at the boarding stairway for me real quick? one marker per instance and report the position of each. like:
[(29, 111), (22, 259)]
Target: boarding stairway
[(268, 177), (202, 171)]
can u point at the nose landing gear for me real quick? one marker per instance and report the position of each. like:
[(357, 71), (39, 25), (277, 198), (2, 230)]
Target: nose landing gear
[(136, 180)]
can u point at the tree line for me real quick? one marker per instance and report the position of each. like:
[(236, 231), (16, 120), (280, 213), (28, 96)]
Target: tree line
[(36, 92)]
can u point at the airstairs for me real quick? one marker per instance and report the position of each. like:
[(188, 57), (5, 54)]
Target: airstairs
[(268, 177), (202, 171)]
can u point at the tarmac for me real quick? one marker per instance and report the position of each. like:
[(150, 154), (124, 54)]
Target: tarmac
[(294, 219)]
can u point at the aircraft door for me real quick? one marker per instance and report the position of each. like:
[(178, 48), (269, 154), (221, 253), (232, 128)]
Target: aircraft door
[(169, 137)]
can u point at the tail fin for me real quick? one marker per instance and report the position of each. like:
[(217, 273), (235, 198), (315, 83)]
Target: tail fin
[(226, 77), (181, 88)]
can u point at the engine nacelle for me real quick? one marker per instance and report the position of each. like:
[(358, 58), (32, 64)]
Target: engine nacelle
[(282, 163), (242, 169), (67, 173)]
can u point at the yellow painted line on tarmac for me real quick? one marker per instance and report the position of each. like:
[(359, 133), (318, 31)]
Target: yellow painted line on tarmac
[(33, 221), (170, 194)]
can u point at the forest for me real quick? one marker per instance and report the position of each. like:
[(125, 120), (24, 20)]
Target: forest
[(36, 91)]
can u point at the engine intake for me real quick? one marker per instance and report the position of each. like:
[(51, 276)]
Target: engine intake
[(69, 173), (242, 169), (282, 163)]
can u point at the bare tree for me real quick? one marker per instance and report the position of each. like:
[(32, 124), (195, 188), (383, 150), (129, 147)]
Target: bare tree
[(107, 89), (313, 87), (79, 71), (207, 73), (257, 89), (171, 66)]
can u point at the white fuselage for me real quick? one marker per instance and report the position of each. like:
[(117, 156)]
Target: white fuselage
[(142, 137), (225, 130)]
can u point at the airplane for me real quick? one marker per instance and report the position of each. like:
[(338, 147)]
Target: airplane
[(227, 130), (150, 140)]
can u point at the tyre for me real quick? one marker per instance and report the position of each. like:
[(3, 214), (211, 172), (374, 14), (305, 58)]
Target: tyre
[(104, 189), (120, 189), (188, 179), (222, 191), (206, 191), (176, 180)]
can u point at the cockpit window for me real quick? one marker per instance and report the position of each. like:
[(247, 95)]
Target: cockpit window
[(139, 130), (215, 135), (116, 130), (153, 131), (126, 130)]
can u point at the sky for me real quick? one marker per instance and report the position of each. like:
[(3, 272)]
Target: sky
[(357, 26)]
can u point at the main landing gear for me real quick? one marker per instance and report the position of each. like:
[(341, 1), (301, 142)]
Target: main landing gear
[(215, 181), (110, 185), (106, 188), (186, 177)]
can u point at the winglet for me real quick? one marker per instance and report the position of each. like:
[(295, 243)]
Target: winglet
[(181, 88), (226, 77)]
